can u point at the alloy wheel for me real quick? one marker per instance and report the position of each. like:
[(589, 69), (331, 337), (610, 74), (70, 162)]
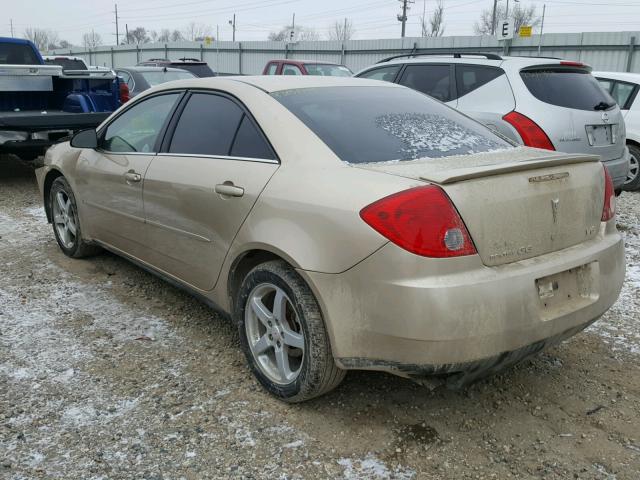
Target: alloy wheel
[(64, 219), (274, 333), (634, 169)]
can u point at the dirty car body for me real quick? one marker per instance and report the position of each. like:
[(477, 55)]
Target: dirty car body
[(426, 244)]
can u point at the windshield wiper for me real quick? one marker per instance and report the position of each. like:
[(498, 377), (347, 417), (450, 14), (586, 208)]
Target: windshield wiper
[(603, 106)]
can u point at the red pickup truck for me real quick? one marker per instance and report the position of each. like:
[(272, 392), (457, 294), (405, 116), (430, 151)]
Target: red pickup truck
[(305, 67)]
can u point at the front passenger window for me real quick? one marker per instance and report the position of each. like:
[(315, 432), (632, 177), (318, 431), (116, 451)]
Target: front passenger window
[(137, 129)]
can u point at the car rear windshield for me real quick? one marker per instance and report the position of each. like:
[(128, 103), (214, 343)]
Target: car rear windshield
[(327, 70), (17, 54), (380, 124), (568, 88), (198, 69), (158, 77), (66, 63)]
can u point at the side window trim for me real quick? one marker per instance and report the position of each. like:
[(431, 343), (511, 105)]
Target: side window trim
[(171, 128), (161, 133)]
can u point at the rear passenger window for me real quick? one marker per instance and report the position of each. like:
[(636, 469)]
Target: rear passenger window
[(434, 80), (621, 93), (250, 143), (388, 74), (291, 70), (273, 67), (470, 77), (207, 126)]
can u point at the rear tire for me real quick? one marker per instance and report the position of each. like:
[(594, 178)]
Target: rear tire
[(633, 179), (66, 223), (282, 334)]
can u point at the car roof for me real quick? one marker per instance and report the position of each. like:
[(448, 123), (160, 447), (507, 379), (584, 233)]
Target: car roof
[(276, 83), (21, 41), (143, 68), (69, 57), (300, 62), (624, 76), (468, 58)]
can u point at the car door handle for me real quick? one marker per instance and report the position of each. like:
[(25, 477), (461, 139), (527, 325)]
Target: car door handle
[(132, 177), (229, 190)]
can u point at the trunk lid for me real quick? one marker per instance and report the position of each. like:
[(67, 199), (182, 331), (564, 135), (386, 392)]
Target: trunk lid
[(518, 203)]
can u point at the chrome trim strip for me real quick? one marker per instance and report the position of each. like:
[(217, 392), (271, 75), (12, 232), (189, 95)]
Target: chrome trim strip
[(219, 157), (179, 231), (106, 152)]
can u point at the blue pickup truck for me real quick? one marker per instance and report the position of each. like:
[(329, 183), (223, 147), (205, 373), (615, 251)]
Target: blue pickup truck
[(40, 103)]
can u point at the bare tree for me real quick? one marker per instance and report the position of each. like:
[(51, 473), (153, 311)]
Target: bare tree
[(91, 39), (153, 36), (40, 37), (303, 33), (176, 36), (521, 16), (64, 44), (196, 32), (341, 30), (434, 25), (164, 35), (138, 35)]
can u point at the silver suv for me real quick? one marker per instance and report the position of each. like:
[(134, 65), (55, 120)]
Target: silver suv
[(540, 102)]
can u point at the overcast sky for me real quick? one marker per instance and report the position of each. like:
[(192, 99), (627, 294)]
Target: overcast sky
[(256, 18)]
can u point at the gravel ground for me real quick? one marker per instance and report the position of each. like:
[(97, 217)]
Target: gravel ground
[(107, 372)]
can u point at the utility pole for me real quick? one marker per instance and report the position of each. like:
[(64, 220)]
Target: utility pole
[(424, 15), (217, 33), (11, 22), (544, 7), (233, 24), (126, 29), (493, 17), (403, 17), (344, 31), (117, 31), (293, 22)]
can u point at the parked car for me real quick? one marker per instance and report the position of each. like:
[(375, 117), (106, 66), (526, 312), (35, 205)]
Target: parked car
[(344, 224), (306, 67), (193, 65), (66, 62), (40, 103), (139, 79), (539, 102), (623, 87)]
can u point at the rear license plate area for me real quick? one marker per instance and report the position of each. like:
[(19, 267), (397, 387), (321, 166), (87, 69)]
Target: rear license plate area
[(568, 291), (600, 135)]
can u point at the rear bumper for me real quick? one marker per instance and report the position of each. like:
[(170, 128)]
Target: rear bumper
[(409, 315), (618, 169)]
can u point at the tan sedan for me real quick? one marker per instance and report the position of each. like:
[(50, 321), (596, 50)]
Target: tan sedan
[(344, 224)]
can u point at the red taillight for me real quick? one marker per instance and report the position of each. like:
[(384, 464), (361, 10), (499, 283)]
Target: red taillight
[(421, 220), (572, 64), (532, 135), (124, 93), (609, 208)]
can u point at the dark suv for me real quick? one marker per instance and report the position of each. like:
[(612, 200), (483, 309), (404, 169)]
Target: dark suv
[(193, 65)]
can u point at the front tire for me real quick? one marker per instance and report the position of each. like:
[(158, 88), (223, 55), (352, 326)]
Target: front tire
[(282, 334), (65, 221), (633, 178)]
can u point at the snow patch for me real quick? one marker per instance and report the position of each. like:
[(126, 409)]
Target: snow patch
[(371, 467)]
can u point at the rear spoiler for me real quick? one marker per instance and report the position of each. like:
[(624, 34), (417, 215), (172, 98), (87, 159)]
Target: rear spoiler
[(444, 177)]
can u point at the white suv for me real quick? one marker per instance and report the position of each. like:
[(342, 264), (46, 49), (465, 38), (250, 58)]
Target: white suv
[(540, 102)]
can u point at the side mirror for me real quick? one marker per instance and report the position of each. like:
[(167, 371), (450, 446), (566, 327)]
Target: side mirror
[(85, 139)]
